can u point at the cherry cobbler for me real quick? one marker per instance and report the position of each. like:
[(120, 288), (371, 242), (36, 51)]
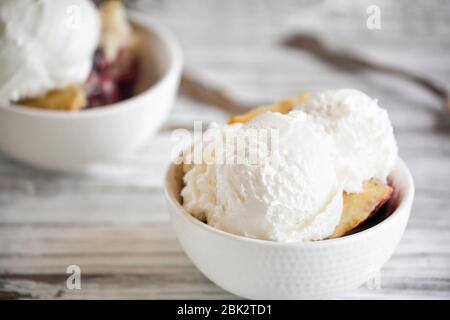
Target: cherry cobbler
[(114, 67)]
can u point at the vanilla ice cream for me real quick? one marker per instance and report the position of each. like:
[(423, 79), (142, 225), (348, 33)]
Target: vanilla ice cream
[(365, 145), (45, 44), (294, 195)]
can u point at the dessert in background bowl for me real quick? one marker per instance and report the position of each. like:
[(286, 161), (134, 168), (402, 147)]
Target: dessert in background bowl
[(318, 218), (93, 90), (108, 44)]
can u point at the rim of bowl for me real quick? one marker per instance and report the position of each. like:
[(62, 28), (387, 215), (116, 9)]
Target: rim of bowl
[(175, 64), (407, 195)]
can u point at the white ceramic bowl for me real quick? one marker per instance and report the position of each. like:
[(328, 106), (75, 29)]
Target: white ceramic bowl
[(258, 269), (76, 140)]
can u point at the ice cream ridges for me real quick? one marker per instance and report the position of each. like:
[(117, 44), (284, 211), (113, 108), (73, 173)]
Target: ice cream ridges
[(325, 175)]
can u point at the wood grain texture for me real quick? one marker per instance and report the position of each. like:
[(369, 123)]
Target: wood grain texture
[(113, 222)]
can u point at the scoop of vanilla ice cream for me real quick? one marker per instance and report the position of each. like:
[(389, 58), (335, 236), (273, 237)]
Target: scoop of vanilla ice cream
[(199, 193), (365, 145), (293, 194), (45, 44)]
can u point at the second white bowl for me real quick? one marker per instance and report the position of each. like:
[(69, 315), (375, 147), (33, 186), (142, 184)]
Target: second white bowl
[(76, 140)]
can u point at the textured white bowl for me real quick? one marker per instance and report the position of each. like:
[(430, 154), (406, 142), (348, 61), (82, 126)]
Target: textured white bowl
[(76, 140), (258, 269)]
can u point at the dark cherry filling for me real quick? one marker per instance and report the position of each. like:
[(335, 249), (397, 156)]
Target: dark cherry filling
[(110, 82)]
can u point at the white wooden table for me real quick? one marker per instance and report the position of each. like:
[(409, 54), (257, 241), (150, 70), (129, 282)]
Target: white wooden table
[(113, 222)]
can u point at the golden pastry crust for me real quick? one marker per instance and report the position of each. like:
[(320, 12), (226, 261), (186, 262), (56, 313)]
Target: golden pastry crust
[(358, 207), (116, 31), (72, 98), (284, 106)]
